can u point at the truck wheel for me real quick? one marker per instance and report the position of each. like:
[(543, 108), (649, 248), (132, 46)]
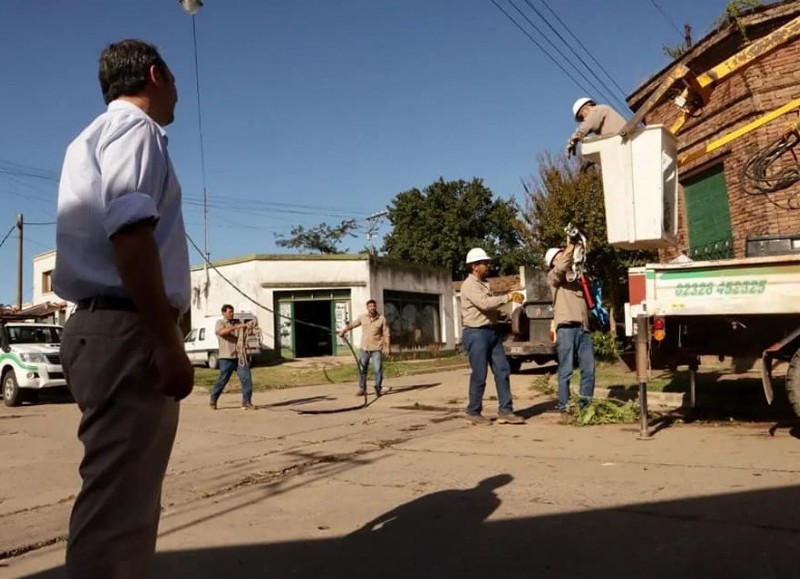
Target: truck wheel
[(213, 361), (515, 364), (12, 395), (793, 383)]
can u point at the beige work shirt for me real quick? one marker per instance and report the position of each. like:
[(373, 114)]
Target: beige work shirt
[(569, 305), (374, 332), (478, 306), (227, 343), (600, 120)]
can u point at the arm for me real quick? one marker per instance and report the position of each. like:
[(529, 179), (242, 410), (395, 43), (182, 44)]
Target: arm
[(387, 337), (593, 123), (561, 265), (349, 327), (483, 301), (228, 330)]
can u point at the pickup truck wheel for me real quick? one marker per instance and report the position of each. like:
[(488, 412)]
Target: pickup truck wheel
[(793, 383), (516, 365), (12, 395), (213, 361)]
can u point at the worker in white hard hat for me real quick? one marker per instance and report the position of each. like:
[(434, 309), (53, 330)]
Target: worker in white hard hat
[(595, 119), (483, 342), (571, 325)]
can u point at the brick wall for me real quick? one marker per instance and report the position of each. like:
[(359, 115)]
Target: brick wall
[(771, 82)]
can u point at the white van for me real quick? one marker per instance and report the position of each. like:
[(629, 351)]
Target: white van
[(202, 344), (29, 359)]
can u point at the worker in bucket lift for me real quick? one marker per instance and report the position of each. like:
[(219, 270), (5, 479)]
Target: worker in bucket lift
[(571, 324), (594, 119)]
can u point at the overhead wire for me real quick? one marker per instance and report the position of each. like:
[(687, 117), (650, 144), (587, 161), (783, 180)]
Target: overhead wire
[(7, 235), (542, 48), (586, 50), (667, 18)]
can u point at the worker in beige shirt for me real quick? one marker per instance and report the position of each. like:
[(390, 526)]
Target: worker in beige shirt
[(571, 321), (483, 342), (232, 359), (594, 119), (375, 342)]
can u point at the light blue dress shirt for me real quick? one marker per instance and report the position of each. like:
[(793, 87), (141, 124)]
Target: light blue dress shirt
[(118, 172)]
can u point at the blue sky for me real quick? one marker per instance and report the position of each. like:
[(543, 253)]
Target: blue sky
[(313, 110)]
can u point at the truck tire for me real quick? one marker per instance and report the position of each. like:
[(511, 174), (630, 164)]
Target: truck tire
[(213, 360), (515, 364), (12, 395), (793, 383)]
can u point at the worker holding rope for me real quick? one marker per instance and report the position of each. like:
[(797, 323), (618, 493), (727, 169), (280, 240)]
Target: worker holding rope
[(233, 356), (375, 342)]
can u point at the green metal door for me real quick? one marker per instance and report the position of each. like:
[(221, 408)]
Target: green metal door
[(709, 216)]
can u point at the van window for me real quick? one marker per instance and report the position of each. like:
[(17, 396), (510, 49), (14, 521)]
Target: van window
[(202, 334), (191, 336)]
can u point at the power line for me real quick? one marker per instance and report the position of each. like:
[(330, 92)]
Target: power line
[(667, 18), (40, 223), (200, 131), (10, 231), (586, 50), (542, 48)]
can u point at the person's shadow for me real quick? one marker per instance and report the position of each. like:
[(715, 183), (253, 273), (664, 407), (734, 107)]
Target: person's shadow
[(444, 510)]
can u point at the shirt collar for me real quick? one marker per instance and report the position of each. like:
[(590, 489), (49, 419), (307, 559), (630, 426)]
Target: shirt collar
[(123, 105)]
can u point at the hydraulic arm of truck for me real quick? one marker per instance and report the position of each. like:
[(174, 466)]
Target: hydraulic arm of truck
[(698, 88)]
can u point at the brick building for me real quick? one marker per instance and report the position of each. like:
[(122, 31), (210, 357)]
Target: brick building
[(719, 209)]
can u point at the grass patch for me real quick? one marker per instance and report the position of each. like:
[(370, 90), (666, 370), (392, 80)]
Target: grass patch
[(603, 411), (289, 374)]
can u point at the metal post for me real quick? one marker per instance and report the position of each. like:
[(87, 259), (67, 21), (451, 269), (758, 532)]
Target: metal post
[(20, 223), (642, 336), (692, 388)]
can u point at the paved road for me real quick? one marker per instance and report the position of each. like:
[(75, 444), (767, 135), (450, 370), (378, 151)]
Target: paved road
[(313, 486)]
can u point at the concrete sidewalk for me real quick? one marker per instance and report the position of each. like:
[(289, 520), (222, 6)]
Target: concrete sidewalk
[(313, 486)]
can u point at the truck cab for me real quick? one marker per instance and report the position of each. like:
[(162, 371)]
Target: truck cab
[(29, 360)]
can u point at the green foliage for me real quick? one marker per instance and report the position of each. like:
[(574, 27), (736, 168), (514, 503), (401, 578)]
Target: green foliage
[(675, 52), (562, 193), (605, 347), (734, 10), (323, 238), (438, 225), (542, 384), (603, 411)]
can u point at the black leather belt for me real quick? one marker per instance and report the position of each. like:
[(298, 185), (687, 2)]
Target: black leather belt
[(570, 325), (106, 303), (487, 327)]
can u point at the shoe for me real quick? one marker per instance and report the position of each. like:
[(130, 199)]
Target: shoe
[(361, 393), (478, 420), (378, 392), (213, 405), (249, 406), (509, 418)]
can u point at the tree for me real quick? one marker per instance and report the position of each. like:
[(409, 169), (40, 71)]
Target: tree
[(438, 225), (562, 193), (323, 238)]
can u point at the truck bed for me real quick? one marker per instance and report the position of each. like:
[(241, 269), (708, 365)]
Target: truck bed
[(753, 285)]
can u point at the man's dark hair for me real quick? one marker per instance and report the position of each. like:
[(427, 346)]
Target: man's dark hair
[(226, 307), (125, 68), (372, 302)]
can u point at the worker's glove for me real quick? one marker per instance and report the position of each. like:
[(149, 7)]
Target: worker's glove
[(516, 297), (573, 233), (572, 146)]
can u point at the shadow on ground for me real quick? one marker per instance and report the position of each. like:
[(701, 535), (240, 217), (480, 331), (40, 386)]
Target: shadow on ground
[(446, 534)]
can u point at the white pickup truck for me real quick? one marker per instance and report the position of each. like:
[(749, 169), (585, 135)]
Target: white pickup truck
[(29, 359)]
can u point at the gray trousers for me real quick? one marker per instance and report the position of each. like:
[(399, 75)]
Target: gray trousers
[(127, 429)]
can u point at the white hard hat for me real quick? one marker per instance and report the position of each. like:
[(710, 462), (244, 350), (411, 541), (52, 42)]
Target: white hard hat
[(550, 255), (579, 105), (477, 254)]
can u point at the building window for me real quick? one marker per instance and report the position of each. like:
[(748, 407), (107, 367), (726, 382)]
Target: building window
[(414, 319), (709, 216), (47, 281)]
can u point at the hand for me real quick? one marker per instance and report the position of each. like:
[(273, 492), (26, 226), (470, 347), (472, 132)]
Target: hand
[(175, 372), (341, 334), (516, 297), (572, 146), (386, 351)]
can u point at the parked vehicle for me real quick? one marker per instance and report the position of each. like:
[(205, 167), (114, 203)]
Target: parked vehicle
[(527, 333), (29, 360), (202, 344)]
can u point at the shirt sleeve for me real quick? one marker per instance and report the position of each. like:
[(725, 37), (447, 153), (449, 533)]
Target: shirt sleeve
[(219, 327), (387, 333), (475, 293), (561, 265), (593, 123), (134, 167)]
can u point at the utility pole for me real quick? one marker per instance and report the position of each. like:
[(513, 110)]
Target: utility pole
[(687, 36), (20, 223), (372, 228)]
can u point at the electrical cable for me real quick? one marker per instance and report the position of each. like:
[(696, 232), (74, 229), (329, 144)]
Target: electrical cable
[(759, 177), (536, 42), (586, 50), (667, 18), (200, 132), (10, 231), (609, 92), (295, 320)]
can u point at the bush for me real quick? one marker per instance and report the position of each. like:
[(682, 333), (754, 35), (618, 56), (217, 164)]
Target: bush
[(605, 347)]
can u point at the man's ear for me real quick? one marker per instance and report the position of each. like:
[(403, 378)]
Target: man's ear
[(156, 74)]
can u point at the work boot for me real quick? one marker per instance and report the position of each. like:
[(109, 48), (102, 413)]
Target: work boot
[(361, 393), (213, 404), (478, 420), (509, 418), (249, 406), (378, 392)]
